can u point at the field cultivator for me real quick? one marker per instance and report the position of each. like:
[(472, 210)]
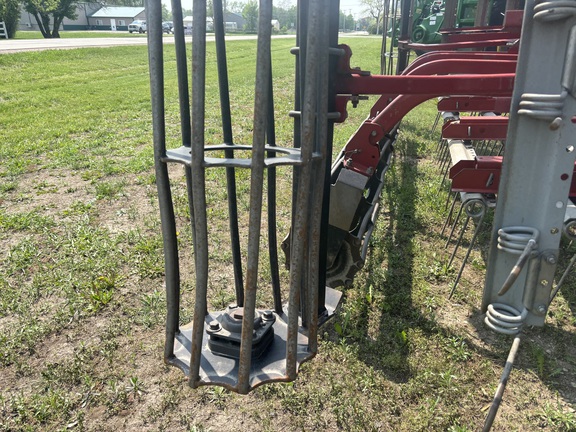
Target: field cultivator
[(513, 160)]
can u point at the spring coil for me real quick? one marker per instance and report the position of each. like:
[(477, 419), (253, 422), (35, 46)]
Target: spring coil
[(475, 208), (505, 319), (542, 106), (516, 240), (569, 229), (551, 11)]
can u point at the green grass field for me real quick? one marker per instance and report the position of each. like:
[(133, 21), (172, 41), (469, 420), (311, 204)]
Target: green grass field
[(82, 304)]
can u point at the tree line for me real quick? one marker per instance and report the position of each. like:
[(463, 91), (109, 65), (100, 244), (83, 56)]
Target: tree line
[(49, 14)]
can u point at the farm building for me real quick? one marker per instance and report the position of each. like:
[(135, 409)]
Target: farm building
[(91, 16)]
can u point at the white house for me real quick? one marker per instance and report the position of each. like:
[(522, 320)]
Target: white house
[(115, 17), (188, 20), (91, 16)]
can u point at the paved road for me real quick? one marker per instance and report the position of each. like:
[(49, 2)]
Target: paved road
[(18, 45)]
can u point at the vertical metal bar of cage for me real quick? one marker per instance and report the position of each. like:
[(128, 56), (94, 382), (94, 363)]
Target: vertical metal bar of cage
[(182, 73), (319, 173), (256, 190), (300, 249), (333, 8), (183, 98), (171, 264), (199, 184), (302, 41), (229, 153), (271, 203)]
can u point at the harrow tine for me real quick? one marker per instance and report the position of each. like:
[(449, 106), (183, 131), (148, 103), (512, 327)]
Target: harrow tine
[(465, 260), (481, 147), (493, 148), (449, 217), (436, 121), (454, 226), (459, 241), (440, 147)]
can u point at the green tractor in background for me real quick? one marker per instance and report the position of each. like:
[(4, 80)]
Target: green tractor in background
[(428, 17)]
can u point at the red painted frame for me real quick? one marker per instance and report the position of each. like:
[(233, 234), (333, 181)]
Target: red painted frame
[(476, 74), (482, 175), (476, 128), (475, 104)]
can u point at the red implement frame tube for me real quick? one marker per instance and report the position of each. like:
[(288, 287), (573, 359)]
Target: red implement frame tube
[(433, 67), (475, 104), (476, 128), (362, 152), (482, 175), (429, 70)]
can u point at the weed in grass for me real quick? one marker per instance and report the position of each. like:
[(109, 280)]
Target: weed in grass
[(217, 396), (22, 221), (457, 349), (439, 271), (147, 253), (153, 307), (109, 189), (539, 357), (558, 418), (7, 186), (341, 326), (136, 387), (430, 302), (101, 293), (458, 428)]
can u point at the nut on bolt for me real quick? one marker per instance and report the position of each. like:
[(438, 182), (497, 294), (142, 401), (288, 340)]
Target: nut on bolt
[(541, 309), (214, 326), (551, 259), (267, 315)]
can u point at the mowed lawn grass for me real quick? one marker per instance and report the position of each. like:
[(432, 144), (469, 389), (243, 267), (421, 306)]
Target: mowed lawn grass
[(82, 304)]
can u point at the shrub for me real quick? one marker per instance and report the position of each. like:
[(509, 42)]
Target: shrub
[(10, 14)]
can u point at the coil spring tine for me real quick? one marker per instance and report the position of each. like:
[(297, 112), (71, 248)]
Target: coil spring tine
[(450, 194), (436, 120), (444, 176), (472, 242), (542, 106), (449, 217), (460, 236), (454, 226), (562, 279), (516, 240), (480, 148), (554, 10), (502, 385), (505, 319), (443, 151), (518, 266)]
